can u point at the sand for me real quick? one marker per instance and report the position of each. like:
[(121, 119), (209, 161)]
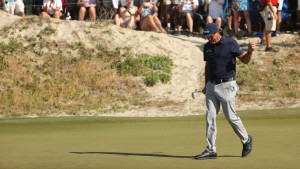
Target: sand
[(186, 52)]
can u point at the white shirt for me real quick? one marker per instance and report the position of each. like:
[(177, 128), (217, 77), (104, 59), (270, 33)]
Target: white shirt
[(116, 3), (187, 7), (55, 4)]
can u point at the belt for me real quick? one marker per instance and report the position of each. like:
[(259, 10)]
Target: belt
[(218, 81)]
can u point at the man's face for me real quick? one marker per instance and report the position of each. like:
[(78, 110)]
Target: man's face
[(214, 38)]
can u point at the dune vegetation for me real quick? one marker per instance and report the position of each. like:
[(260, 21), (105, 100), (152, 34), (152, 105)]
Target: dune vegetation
[(42, 74)]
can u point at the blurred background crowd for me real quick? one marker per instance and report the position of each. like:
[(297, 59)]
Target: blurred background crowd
[(238, 18)]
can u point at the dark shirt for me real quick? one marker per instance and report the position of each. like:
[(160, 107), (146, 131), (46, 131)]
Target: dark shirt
[(221, 58)]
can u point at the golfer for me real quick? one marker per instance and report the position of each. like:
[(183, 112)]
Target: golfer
[(220, 54)]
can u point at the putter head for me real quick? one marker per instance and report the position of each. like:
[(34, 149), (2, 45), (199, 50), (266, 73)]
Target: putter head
[(193, 95)]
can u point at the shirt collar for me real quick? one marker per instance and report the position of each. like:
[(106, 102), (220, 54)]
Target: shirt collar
[(222, 40)]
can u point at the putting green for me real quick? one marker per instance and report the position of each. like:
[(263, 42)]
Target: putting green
[(154, 143)]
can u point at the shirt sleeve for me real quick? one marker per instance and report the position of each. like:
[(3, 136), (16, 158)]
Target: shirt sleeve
[(236, 49)]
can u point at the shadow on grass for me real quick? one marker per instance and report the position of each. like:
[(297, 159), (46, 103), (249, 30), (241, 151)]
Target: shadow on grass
[(143, 154)]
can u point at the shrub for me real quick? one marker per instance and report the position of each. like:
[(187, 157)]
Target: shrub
[(154, 68)]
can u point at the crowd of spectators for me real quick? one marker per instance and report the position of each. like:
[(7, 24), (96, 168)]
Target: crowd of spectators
[(174, 16)]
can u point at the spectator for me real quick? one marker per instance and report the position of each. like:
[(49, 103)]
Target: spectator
[(14, 7), (52, 8), (166, 11), (238, 6), (293, 22), (116, 5), (87, 5), (149, 20), (186, 9), (215, 12), (129, 15), (198, 19), (230, 17), (269, 15), (278, 21)]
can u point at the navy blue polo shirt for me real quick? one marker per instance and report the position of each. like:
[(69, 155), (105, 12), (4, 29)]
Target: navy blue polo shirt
[(221, 58)]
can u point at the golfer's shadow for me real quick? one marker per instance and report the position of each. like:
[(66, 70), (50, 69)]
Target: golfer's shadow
[(143, 154)]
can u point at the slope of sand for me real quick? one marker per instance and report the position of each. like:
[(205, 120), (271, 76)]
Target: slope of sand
[(187, 72)]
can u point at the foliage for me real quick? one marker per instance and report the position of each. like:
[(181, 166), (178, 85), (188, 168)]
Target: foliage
[(44, 77), (155, 68), (276, 77)]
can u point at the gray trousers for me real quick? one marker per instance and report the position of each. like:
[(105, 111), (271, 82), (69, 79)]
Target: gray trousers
[(224, 94)]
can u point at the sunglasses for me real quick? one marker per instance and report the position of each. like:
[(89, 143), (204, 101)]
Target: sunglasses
[(211, 36)]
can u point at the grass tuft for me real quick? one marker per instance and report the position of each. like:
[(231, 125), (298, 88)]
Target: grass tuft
[(154, 68), (260, 82)]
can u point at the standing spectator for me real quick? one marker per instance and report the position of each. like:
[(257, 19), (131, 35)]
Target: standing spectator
[(278, 23), (167, 5), (269, 15), (198, 18), (116, 5), (149, 20), (186, 9), (87, 5), (294, 8), (52, 8), (230, 17), (215, 11), (129, 15), (241, 6), (14, 7)]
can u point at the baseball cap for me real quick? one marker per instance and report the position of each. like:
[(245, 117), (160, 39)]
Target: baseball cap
[(210, 29)]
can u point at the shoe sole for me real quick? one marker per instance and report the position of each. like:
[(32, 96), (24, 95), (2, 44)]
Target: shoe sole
[(247, 154), (205, 158)]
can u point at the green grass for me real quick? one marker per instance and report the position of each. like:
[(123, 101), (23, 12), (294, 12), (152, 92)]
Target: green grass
[(129, 143), (154, 68)]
